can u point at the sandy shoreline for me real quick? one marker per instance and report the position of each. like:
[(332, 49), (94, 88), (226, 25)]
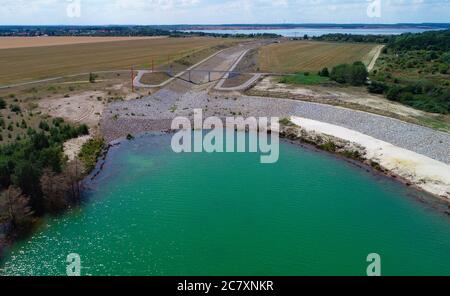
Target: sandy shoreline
[(420, 171)]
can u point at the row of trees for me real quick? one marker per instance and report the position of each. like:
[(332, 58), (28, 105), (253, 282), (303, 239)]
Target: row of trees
[(431, 40), (338, 37)]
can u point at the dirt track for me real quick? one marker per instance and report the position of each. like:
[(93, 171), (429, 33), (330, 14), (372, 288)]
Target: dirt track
[(378, 50)]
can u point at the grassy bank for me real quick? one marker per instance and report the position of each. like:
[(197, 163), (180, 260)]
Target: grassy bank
[(304, 79)]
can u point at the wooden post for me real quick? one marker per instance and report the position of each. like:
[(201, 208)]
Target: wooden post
[(153, 65), (132, 79)]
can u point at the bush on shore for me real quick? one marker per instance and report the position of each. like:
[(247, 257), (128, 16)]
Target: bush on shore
[(90, 152)]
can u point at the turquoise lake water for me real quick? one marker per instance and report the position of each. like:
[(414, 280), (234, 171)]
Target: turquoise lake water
[(154, 212)]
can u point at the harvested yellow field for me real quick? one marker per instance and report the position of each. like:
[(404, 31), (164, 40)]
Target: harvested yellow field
[(34, 63), (297, 56), (17, 42)]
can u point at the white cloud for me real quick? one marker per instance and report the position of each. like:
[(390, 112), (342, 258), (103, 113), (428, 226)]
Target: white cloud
[(220, 11)]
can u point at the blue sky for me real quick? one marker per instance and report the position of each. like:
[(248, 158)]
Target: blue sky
[(28, 12)]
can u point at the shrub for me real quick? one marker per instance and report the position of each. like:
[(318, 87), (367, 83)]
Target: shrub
[(324, 72), (328, 146), (355, 74), (15, 108), (377, 87), (359, 74), (431, 55), (2, 104), (57, 121), (341, 73), (286, 122), (51, 88), (43, 125), (90, 152), (443, 68), (83, 130), (393, 93), (446, 57), (92, 77)]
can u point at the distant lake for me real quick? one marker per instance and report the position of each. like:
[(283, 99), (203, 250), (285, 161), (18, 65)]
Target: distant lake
[(315, 32)]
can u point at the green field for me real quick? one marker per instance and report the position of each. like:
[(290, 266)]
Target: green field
[(304, 78), (301, 56)]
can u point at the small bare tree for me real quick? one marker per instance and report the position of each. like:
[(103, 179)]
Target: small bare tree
[(73, 174), (54, 188), (15, 209)]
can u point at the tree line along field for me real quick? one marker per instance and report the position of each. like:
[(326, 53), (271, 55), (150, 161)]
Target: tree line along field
[(34, 63), (296, 56)]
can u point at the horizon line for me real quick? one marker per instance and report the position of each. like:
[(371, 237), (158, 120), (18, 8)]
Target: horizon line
[(230, 24)]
